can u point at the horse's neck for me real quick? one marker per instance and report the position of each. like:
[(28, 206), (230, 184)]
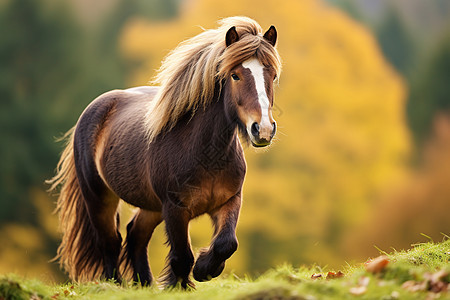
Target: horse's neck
[(218, 126)]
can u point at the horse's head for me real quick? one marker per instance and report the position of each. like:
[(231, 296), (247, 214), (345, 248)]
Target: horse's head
[(250, 88)]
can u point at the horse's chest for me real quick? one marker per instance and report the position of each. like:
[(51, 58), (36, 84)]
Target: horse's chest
[(210, 194)]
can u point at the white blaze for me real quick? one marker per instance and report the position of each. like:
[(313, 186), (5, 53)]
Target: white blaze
[(257, 70)]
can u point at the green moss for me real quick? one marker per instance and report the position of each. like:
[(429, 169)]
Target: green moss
[(15, 288), (284, 282)]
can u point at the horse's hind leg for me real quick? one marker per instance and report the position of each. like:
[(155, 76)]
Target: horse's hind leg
[(102, 210), (139, 233), (104, 218), (211, 262), (99, 251)]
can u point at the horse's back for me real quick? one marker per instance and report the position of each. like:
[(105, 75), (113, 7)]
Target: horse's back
[(112, 107), (110, 134), (116, 101), (146, 90)]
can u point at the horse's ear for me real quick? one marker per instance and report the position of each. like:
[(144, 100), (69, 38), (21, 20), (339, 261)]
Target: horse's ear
[(232, 36), (271, 35)]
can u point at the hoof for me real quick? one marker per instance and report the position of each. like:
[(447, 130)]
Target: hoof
[(170, 281), (204, 270)]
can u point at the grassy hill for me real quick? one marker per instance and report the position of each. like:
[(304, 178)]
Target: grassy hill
[(423, 272)]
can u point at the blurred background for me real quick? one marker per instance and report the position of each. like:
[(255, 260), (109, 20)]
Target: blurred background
[(362, 156)]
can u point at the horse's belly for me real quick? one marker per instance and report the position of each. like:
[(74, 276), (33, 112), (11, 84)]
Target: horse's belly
[(147, 202), (131, 186)]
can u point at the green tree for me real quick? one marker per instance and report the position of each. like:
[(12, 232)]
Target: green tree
[(349, 6), (396, 42), (36, 72), (51, 67), (430, 92)]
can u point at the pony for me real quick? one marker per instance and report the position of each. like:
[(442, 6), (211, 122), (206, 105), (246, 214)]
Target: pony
[(172, 150)]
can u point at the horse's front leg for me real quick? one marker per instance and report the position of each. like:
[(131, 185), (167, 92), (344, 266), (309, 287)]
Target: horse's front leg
[(180, 258), (211, 262)]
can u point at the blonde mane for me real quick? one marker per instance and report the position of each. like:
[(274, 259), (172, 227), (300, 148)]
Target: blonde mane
[(189, 73)]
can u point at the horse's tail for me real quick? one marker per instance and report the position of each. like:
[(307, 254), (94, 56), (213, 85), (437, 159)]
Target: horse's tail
[(77, 253)]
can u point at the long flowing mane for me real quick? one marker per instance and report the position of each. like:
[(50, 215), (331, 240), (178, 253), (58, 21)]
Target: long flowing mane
[(189, 73)]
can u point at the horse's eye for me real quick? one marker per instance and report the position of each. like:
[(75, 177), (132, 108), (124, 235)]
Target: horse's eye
[(275, 78), (235, 77)]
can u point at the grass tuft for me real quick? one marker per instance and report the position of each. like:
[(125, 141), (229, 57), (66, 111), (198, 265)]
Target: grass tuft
[(422, 272)]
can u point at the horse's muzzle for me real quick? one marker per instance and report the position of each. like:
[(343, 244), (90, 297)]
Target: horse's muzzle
[(261, 136)]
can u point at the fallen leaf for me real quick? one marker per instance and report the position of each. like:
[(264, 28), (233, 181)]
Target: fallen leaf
[(377, 265), (364, 281), (361, 288), (438, 287), (382, 283), (395, 295), (358, 290), (436, 282), (432, 296), (413, 286), (439, 275), (332, 275)]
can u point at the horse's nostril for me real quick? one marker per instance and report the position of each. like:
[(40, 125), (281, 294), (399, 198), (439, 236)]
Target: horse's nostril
[(255, 129), (274, 128)]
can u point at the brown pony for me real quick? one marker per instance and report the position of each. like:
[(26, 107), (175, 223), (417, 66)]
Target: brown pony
[(172, 151)]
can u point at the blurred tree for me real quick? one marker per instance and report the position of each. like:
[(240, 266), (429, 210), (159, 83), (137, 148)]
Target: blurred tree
[(104, 41), (430, 93), (38, 68), (51, 68), (39, 47), (407, 31), (156, 9), (349, 6), (419, 205), (395, 41)]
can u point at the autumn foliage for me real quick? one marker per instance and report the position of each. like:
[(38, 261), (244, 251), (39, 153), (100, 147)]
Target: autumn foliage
[(341, 177)]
